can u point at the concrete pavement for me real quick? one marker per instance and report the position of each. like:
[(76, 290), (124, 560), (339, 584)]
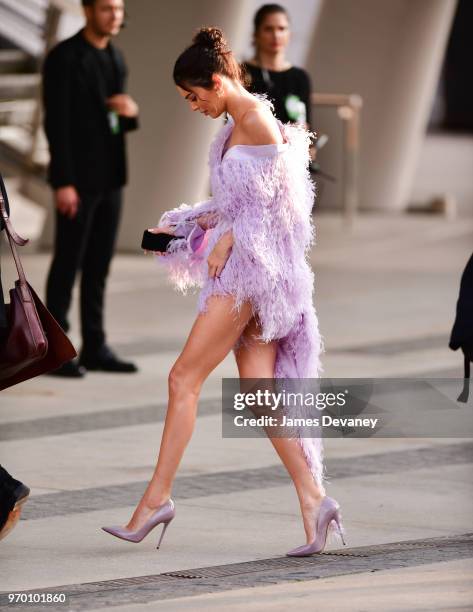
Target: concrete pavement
[(385, 296)]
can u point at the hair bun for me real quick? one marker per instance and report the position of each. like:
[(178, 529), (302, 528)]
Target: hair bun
[(210, 38)]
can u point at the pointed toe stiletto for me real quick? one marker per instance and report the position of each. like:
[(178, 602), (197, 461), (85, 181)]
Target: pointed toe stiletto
[(329, 516), (163, 514)]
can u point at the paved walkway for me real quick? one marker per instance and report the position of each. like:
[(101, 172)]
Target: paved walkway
[(385, 296)]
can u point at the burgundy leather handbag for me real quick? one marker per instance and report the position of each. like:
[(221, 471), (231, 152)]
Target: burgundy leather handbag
[(34, 342)]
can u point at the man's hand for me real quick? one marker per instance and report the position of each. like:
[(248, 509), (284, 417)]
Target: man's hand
[(123, 105), (219, 255), (67, 201)]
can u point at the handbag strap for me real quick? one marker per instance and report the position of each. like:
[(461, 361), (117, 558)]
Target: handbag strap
[(14, 239)]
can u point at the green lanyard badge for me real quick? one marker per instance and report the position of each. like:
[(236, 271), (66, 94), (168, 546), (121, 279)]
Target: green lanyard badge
[(114, 122), (295, 108)]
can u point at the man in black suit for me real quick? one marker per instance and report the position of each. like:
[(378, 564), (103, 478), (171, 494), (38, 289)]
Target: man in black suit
[(87, 115)]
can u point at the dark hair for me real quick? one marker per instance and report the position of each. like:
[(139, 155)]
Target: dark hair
[(208, 54), (88, 2), (264, 11)]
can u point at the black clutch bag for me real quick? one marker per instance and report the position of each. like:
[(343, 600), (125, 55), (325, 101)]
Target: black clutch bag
[(157, 242)]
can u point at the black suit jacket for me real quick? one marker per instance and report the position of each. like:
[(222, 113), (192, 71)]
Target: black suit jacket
[(75, 119), (3, 321)]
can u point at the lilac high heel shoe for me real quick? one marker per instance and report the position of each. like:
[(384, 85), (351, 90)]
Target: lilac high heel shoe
[(163, 514), (329, 515)]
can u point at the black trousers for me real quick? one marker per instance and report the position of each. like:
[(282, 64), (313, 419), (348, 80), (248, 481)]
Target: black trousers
[(85, 243)]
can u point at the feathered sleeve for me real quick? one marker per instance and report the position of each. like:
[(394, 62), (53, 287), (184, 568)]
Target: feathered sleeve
[(268, 196), (183, 260)]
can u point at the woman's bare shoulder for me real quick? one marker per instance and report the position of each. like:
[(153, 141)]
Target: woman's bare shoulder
[(259, 127)]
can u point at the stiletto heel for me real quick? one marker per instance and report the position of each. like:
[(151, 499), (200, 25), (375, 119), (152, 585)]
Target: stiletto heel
[(165, 526), (164, 514), (329, 513), (339, 527)]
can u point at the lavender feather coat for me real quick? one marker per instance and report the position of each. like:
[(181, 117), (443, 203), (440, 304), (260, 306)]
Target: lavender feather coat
[(264, 194)]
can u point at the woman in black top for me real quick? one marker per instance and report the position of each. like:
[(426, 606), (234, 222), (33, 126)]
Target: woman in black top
[(270, 72)]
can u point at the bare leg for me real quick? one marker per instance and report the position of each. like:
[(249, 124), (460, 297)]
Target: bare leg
[(256, 359), (212, 337)]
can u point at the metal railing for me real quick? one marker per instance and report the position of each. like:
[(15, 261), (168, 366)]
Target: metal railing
[(348, 110)]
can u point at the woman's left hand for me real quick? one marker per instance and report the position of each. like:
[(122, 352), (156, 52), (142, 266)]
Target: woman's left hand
[(219, 255)]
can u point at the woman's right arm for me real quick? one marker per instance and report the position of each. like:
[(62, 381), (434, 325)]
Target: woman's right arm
[(183, 219), (185, 214), (183, 258)]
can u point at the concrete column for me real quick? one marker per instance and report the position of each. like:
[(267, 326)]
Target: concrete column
[(168, 155), (390, 52)]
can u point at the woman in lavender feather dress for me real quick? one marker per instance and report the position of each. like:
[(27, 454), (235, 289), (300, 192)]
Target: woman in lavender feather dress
[(246, 248)]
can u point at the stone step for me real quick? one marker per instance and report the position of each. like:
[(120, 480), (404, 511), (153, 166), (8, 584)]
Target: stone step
[(18, 86), (17, 112), (27, 215), (15, 61), (18, 139), (22, 24)]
